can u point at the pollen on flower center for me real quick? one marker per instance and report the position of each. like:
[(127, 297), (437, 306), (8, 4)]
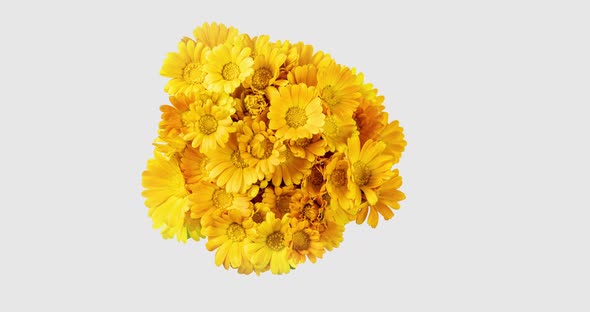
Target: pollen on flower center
[(301, 241), (236, 232), (193, 73), (361, 173), (258, 217), (338, 177), (310, 212), (327, 94), (275, 241), (230, 71), (237, 160), (296, 117), (261, 78), (208, 124), (262, 149), (222, 199)]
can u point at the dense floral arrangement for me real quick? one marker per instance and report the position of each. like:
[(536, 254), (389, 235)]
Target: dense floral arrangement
[(268, 150)]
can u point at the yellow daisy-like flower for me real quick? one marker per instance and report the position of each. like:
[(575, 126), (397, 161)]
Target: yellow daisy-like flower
[(265, 150), (338, 90), (305, 243), (227, 67), (370, 167), (292, 170), (389, 197), (227, 233), (193, 165), (338, 178), (295, 112), (266, 70), (270, 245), (229, 169), (171, 120), (166, 196), (278, 199), (208, 127), (306, 74), (370, 119), (308, 148), (212, 35), (393, 136), (337, 130), (331, 235), (185, 67), (208, 197)]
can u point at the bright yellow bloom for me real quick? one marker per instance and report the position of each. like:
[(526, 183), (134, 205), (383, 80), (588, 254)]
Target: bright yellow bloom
[(166, 197), (295, 112), (229, 169), (227, 67), (393, 136), (227, 233), (266, 70), (306, 74), (265, 150), (212, 35), (370, 167), (185, 67), (331, 235), (338, 90), (270, 245), (337, 130), (208, 127), (292, 170), (339, 184), (305, 243), (308, 148), (370, 119), (389, 197), (208, 197), (193, 165)]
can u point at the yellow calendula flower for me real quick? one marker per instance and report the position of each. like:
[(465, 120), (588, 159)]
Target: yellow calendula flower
[(166, 197), (208, 127), (370, 167), (227, 67), (270, 245), (227, 235), (295, 112), (268, 150), (185, 67), (389, 197), (338, 90), (212, 35)]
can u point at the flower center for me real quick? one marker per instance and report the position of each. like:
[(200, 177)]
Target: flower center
[(327, 95), (258, 217), (275, 241), (193, 73), (237, 160), (255, 104), (330, 126), (208, 124), (296, 117), (261, 147), (302, 142), (261, 78), (222, 199), (361, 173), (230, 71), (338, 177), (236, 232), (301, 241)]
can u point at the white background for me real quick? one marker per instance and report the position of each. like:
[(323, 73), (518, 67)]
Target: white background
[(493, 96)]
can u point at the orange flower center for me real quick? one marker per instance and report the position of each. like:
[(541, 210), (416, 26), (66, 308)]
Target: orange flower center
[(261, 78), (275, 241), (236, 232), (230, 71), (338, 177), (361, 173), (193, 73), (301, 241), (208, 124), (296, 117)]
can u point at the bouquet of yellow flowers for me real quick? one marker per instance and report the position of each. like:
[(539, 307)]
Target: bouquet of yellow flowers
[(267, 150)]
